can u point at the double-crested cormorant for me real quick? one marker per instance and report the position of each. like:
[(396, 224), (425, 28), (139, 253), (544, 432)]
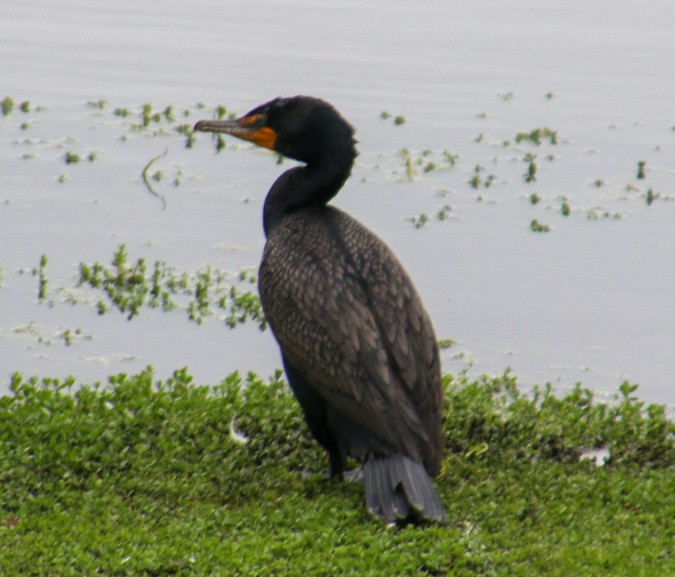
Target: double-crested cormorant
[(358, 347)]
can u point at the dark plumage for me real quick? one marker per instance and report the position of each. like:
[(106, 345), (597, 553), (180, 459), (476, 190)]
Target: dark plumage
[(358, 347)]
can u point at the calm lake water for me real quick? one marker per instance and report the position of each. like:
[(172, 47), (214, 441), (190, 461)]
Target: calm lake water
[(589, 300)]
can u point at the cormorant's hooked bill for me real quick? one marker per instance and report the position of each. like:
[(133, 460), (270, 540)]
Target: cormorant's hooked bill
[(247, 128), (357, 345)]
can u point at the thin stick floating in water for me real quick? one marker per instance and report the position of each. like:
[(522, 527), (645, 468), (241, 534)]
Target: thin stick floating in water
[(146, 180)]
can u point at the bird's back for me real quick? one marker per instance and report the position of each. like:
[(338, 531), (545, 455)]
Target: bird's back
[(348, 317)]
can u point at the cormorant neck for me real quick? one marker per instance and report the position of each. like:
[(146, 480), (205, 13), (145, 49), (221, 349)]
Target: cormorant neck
[(313, 184)]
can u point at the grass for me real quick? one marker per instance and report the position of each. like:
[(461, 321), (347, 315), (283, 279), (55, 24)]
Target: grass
[(147, 477)]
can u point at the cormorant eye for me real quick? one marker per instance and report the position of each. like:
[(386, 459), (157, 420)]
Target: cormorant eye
[(260, 121)]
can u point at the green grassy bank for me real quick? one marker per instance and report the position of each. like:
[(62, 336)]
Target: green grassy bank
[(141, 477)]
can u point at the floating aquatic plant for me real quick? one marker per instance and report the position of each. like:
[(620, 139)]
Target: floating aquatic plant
[(72, 158), (641, 169), (531, 174), (537, 135), (7, 105), (536, 226), (40, 272), (130, 286)]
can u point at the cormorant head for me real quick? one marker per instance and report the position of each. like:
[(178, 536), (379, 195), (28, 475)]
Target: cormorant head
[(301, 127)]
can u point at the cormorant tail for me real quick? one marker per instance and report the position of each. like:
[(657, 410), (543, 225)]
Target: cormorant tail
[(397, 486)]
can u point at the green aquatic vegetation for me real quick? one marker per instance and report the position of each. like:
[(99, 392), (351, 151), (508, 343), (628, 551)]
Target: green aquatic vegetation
[(445, 343), (598, 183), (398, 119), (442, 213), (536, 226), (408, 161), (7, 105), (92, 156), (422, 219), (25, 125), (69, 336), (597, 213), (531, 174), (169, 114), (186, 130), (641, 169), (243, 307), (125, 285), (508, 96), (650, 196), (534, 198), (121, 112), (72, 158), (149, 476), (450, 158), (199, 307), (427, 161), (537, 135), (419, 221), (130, 286), (41, 272), (98, 104), (146, 115), (477, 180), (565, 208)]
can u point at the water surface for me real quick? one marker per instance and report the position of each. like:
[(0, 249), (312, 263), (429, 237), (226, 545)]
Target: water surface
[(590, 300)]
